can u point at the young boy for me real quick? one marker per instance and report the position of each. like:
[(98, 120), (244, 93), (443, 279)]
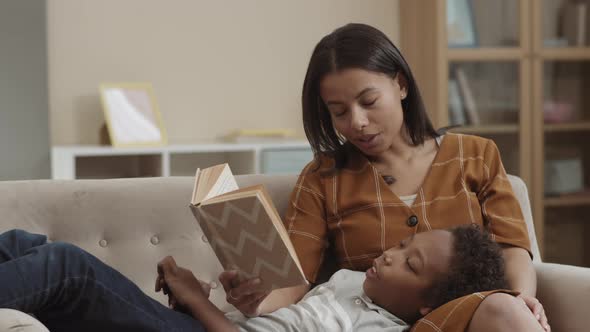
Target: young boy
[(405, 283)]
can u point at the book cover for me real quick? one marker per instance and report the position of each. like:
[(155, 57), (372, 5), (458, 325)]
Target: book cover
[(573, 23), (568, 88), (471, 112), (583, 20), (456, 111), (245, 231)]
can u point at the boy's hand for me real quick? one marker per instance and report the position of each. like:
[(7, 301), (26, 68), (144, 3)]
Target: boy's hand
[(179, 284), (245, 295)]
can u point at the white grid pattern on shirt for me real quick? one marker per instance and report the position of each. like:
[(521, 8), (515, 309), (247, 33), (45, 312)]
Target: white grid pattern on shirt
[(304, 234), (311, 191), (424, 210), (463, 184), (292, 219), (443, 163), (299, 188), (380, 205), (338, 224), (442, 324), (359, 257), (429, 323)]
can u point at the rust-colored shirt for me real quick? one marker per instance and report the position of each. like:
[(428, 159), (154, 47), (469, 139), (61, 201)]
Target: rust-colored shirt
[(454, 316), (355, 211)]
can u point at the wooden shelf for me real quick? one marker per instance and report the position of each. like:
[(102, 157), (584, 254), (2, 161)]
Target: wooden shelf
[(567, 127), (566, 201), (488, 129), (425, 43), (485, 54), (72, 162), (565, 53)]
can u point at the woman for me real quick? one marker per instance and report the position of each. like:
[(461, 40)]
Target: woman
[(382, 172)]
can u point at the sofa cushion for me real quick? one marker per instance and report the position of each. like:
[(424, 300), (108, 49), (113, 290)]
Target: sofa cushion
[(130, 224)]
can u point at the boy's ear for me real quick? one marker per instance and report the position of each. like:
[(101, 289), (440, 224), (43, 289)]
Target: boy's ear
[(425, 311)]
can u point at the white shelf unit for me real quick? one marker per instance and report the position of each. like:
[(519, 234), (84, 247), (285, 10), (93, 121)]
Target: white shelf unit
[(94, 162)]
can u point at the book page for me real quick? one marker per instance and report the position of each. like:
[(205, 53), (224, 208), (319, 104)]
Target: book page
[(470, 105), (212, 181), (223, 184), (194, 199), (204, 181), (235, 194)]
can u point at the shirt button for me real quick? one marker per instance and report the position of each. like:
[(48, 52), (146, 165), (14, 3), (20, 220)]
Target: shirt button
[(204, 239), (154, 240), (358, 301), (412, 221), (213, 285), (102, 243)]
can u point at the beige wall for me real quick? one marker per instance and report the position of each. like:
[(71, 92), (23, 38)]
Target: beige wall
[(216, 65)]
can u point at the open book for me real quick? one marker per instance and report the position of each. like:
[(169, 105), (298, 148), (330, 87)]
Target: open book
[(244, 229)]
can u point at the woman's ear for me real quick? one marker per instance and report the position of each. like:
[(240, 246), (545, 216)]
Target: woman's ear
[(403, 85), (425, 311)]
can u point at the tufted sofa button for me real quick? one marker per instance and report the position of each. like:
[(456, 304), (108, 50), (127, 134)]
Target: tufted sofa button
[(204, 238), (103, 243), (155, 240), (213, 284)]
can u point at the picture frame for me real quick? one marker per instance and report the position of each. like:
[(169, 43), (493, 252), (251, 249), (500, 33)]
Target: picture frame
[(132, 115), (461, 31)]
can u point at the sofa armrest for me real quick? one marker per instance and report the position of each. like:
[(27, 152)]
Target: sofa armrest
[(14, 320), (564, 291)]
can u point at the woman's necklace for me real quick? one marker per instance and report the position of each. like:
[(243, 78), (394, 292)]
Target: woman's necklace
[(388, 179)]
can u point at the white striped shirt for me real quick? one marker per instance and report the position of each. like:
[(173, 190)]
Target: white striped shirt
[(337, 305)]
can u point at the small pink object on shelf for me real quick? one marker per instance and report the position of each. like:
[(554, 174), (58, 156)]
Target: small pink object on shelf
[(557, 112)]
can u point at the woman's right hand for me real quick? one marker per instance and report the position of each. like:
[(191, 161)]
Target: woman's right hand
[(244, 294)]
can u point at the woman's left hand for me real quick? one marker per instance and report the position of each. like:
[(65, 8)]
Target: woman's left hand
[(537, 309)]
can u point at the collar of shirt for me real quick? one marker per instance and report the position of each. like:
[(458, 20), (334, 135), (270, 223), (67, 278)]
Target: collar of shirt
[(369, 303)]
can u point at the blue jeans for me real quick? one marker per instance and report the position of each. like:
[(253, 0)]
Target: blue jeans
[(68, 289)]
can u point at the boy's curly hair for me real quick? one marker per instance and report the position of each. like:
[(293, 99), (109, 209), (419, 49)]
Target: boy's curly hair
[(476, 266)]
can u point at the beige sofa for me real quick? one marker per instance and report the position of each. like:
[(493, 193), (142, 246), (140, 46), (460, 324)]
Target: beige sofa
[(132, 223)]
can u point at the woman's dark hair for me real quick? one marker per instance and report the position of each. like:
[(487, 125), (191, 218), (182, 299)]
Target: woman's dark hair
[(363, 47), (477, 265)]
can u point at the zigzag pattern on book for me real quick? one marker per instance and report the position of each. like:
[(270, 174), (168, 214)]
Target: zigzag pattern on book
[(238, 248), (242, 234), (259, 265)]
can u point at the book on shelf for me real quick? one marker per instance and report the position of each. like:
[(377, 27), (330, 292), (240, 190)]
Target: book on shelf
[(470, 106), (563, 170), (244, 229), (567, 87), (574, 22), (456, 110)]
